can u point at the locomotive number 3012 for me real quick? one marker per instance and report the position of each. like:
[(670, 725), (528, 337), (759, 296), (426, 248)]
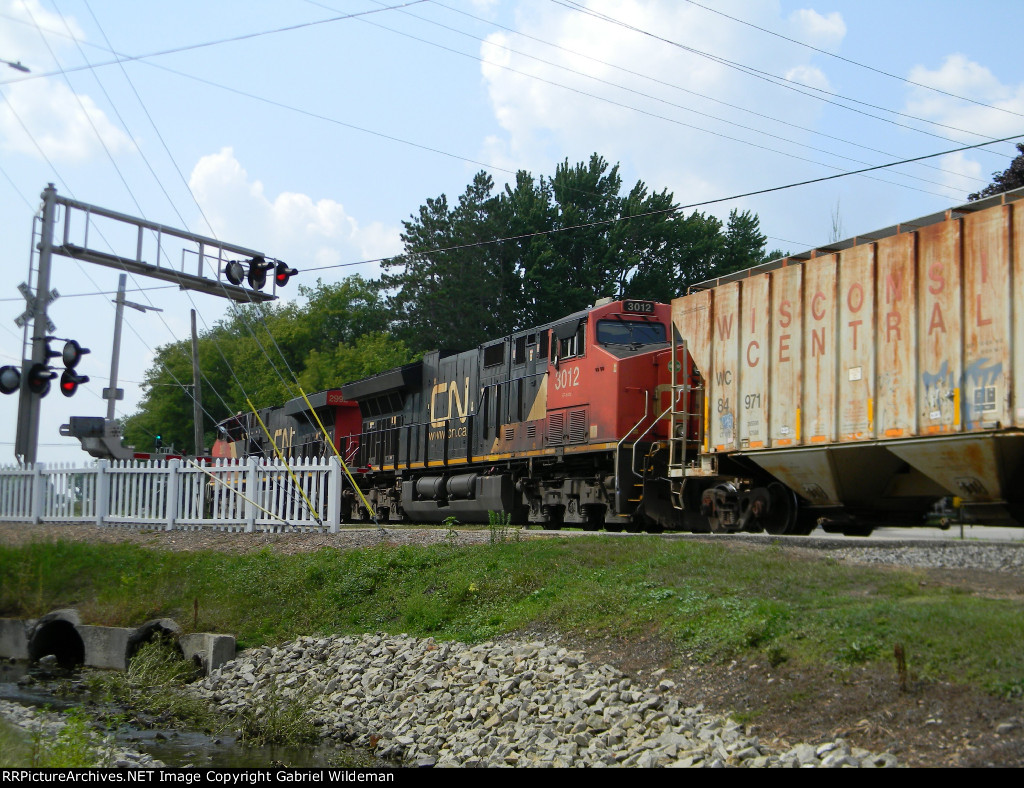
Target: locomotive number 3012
[(567, 378), (643, 307)]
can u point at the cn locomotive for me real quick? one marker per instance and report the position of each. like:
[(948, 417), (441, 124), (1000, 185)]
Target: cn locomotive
[(876, 380), (562, 423)]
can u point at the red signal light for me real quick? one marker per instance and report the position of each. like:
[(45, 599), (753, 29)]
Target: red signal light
[(70, 381), (283, 274)]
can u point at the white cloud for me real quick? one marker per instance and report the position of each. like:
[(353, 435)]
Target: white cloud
[(44, 113), (963, 77), (812, 76), (961, 173), (665, 134), (818, 30), (19, 38), (305, 232)]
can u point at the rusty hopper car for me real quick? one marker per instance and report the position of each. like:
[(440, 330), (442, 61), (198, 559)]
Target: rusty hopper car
[(863, 381)]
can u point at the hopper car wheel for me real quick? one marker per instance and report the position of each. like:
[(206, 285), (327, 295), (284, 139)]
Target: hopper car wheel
[(782, 516), (805, 523)]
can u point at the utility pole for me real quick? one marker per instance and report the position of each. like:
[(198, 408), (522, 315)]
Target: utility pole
[(197, 396), (113, 393)]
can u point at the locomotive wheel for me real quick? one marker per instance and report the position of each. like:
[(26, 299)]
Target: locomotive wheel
[(782, 514), (594, 517)]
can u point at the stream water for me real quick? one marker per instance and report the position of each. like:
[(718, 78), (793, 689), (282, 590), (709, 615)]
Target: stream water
[(48, 689)]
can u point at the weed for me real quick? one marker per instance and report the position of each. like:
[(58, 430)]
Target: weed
[(277, 720), (154, 682), (500, 526)]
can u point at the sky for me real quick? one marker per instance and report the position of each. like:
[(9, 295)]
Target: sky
[(310, 130)]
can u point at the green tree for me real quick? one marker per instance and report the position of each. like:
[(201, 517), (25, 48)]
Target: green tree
[(1010, 178), (450, 289), (743, 243), (255, 353), (545, 247)]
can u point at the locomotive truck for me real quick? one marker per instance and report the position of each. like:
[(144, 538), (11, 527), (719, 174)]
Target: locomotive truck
[(865, 382)]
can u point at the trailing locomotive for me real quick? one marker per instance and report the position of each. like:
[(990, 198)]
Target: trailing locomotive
[(879, 379)]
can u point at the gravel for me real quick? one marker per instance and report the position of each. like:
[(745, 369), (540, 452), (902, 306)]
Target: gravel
[(1001, 557), (420, 702)]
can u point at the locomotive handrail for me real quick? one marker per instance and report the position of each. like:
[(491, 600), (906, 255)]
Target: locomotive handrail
[(618, 446), (632, 465)]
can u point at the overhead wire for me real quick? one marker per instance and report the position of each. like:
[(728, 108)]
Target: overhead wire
[(103, 144), (674, 121), (204, 44), (576, 53), (789, 84), (662, 211), (842, 174), (857, 63), (239, 312)]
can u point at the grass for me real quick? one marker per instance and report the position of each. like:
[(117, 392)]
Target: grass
[(277, 720), (710, 601), (154, 683), (76, 745)]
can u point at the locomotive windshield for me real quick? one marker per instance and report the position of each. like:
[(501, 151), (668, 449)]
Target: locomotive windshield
[(630, 332)]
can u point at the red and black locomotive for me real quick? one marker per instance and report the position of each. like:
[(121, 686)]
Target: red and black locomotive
[(563, 423)]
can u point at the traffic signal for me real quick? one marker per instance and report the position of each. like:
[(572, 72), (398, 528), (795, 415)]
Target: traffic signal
[(283, 274), (10, 379), (158, 443), (70, 380)]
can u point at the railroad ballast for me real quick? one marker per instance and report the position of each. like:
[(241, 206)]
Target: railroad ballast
[(880, 379)]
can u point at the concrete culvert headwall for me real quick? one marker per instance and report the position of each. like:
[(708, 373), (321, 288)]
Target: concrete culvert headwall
[(58, 637), (72, 643), (156, 628)]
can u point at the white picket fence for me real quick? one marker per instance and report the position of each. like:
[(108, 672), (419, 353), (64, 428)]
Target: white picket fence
[(229, 495)]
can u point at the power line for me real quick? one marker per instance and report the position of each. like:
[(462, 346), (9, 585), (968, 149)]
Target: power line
[(854, 62), (663, 101), (607, 64), (105, 292), (217, 42), (774, 79), (673, 209)]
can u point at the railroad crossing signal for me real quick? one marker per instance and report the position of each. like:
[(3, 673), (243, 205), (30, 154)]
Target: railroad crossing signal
[(70, 380), (38, 379), (283, 274), (254, 271), (10, 379), (34, 376)]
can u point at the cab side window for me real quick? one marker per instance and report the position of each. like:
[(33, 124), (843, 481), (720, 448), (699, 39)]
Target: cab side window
[(570, 347)]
